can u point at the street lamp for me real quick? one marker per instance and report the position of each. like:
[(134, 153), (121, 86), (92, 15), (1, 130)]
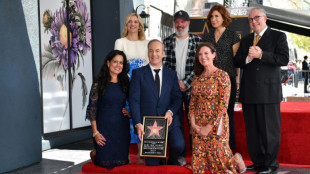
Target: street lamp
[(144, 16)]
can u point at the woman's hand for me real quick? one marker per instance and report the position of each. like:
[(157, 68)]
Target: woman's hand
[(100, 139), (204, 131), (126, 112), (196, 128)]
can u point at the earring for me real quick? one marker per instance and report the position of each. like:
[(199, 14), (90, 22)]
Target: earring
[(139, 30)]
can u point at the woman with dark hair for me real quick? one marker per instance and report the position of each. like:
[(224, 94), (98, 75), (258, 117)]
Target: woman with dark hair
[(107, 113), (208, 116), (226, 43)]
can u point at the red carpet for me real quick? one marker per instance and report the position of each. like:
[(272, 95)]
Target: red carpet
[(295, 133), (136, 168), (294, 150)]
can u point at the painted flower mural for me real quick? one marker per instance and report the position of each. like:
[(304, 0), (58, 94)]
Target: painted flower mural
[(82, 18), (70, 38)]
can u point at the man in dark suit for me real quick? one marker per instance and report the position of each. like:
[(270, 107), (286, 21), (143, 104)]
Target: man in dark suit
[(305, 74), (148, 98), (260, 90)]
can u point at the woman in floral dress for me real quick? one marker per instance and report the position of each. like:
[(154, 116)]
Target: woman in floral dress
[(208, 116)]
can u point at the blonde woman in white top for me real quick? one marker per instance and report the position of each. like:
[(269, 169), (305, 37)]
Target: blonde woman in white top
[(134, 45), (133, 42)]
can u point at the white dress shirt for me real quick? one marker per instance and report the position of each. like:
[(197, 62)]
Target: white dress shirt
[(160, 73)]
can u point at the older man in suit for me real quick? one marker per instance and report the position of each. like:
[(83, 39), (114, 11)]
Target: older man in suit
[(154, 91), (261, 55)]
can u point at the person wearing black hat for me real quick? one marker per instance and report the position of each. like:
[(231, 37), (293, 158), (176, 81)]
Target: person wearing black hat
[(180, 48)]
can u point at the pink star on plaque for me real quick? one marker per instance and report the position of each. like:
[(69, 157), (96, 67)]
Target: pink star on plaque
[(154, 129)]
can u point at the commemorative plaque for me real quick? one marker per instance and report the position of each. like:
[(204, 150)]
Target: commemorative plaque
[(154, 141)]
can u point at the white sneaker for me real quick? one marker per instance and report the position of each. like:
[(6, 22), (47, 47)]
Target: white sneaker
[(181, 161)]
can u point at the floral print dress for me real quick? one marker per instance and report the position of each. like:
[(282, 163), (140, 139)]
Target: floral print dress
[(209, 102)]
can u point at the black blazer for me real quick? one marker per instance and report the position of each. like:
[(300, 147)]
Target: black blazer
[(261, 78)]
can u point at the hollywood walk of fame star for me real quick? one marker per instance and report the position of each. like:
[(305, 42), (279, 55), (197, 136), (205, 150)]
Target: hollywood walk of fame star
[(154, 129)]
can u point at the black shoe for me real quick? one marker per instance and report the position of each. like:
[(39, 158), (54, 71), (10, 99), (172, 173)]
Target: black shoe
[(252, 167), (274, 170), (266, 170)]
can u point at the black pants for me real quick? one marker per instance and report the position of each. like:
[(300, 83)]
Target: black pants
[(185, 99), (306, 75), (231, 113), (262, 123)]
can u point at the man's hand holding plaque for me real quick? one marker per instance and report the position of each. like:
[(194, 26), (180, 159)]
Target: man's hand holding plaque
[(140, 131), (169, 117)]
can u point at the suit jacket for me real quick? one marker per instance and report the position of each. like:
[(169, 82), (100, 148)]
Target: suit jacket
[(144, 99), (261, 78)]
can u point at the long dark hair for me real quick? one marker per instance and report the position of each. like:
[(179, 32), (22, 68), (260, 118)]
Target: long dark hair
[(198, 68), (104, 77)]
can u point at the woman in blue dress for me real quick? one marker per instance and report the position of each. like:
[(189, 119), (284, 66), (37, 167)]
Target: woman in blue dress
[(107, 113), (134, 45)]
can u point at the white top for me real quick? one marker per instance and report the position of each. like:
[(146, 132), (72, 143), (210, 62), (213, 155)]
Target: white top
[(261, 33), (133, 49), (181, 46), (160, 74)]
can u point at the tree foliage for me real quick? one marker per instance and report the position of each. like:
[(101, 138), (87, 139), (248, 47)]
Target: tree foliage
[(303, 42), (301, 4)]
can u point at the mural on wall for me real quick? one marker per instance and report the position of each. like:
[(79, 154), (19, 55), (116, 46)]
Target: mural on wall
[(66, 62)]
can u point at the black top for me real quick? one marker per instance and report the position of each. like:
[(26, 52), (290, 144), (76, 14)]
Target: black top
[(305, 65), (224, 49)]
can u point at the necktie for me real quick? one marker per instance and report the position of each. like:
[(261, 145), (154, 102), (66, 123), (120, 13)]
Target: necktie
[(157, 81), (256, 39)]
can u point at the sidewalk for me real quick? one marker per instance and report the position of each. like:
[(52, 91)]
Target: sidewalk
[(66, 159)]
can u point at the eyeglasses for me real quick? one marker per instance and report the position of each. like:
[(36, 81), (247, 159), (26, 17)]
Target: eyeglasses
[(255, 18)]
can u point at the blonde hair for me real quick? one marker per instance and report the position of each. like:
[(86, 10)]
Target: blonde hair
[(141, 33)]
